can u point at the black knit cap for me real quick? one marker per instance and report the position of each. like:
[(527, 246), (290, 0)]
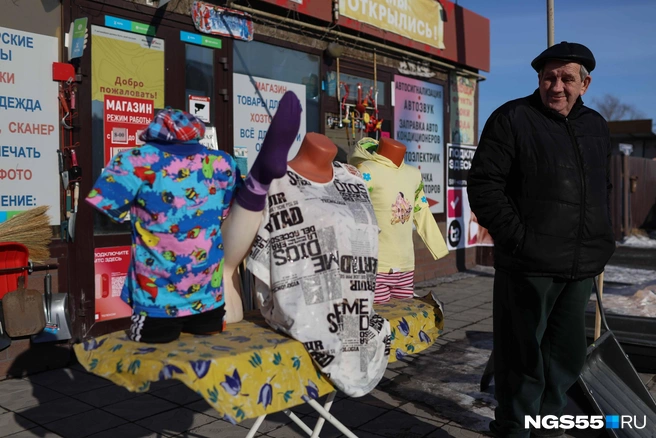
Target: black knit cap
[(572, 52)]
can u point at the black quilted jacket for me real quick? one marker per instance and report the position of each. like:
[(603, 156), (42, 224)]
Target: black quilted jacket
[(539, 183)]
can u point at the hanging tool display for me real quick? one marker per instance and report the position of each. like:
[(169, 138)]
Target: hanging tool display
[(345, 109), (376, 122), (67, 117), (71, 175), (362, 116), (372, 123), (72, 194), (359, 117), (63, 173), (75, 171), (360, 106), (72, 213), (339, 100)]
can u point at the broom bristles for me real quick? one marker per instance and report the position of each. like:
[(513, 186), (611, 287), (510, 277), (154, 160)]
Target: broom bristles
[(32, 229)]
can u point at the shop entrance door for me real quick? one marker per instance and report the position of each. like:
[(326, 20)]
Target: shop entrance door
[(143, 59)]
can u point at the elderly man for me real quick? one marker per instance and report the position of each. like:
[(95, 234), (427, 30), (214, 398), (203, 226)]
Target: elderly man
[(539, 183)]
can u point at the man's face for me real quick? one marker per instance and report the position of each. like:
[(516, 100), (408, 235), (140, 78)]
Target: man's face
[(560, 85)]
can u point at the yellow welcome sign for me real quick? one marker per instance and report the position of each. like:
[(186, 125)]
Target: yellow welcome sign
[(418, 20), (126, 64)]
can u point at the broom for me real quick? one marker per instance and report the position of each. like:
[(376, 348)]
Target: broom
[(32, 229)]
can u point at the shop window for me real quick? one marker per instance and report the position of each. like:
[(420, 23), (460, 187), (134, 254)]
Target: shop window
[(286, 65), (199, 81), (345, 128)]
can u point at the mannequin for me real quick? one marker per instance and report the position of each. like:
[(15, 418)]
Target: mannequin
[(397, 194), (314, 162), (177, 192), (314, 259), (315, 157), (392, 149)]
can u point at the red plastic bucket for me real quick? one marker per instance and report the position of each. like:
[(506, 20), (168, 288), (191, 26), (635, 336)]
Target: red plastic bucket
[(12, 256)]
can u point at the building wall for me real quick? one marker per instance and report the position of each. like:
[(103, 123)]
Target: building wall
[(42, 17), (427, 269), (45, 16), (466, 34), (36, 16)]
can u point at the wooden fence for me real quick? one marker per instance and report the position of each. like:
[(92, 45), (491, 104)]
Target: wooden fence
[(634, 188)]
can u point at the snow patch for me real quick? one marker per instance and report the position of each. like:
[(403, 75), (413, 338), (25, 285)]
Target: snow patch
[(638, 241), (642, 303), (619, 274)]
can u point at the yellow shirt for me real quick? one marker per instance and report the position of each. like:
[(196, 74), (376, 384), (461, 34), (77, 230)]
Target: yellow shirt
[(397, 194)]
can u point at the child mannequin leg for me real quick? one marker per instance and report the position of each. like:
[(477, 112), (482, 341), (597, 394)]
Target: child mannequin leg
[(397, 285)]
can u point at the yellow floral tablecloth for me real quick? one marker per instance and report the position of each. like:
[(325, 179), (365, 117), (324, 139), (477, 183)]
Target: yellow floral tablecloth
[(249, 370)]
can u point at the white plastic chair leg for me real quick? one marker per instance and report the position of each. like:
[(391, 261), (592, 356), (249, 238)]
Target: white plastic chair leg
[(256, 426), (326, 416)]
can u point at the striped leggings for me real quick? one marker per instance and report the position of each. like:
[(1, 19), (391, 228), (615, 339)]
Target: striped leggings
[(394, 285)]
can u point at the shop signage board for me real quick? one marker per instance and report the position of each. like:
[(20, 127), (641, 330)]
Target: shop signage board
[(217, 20), (626, 148), (130, 26), (251, 120), (462, 105), (78, 38), (200, 40), (199, 106), (418, 20), (410, 68), (125, 119), (418, 124), (462, 229), (111, 269), (127, 82), (29, 124)]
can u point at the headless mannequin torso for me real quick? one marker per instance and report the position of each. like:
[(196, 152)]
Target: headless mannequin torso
[(315, 157), (333, 217), (314, 162), (393, 284), (392, 149)]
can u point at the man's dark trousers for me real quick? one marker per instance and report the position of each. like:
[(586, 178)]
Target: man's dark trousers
[(539, 346)]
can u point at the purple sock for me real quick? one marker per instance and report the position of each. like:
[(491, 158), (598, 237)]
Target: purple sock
[(271, 161)]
